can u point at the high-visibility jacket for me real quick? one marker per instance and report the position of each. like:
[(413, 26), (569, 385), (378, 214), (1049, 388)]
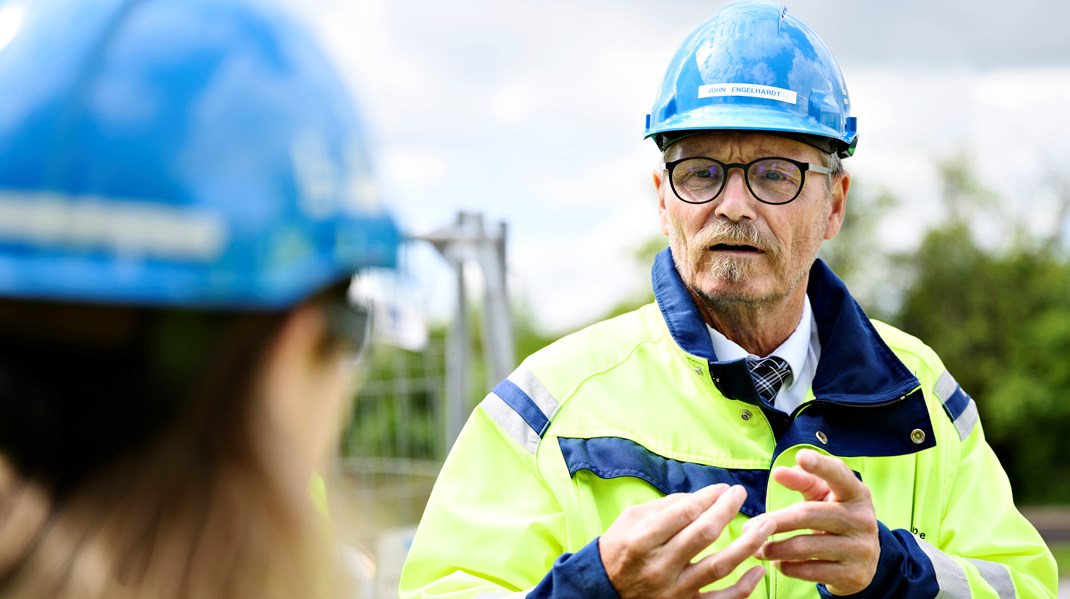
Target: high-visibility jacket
[(638, 406)]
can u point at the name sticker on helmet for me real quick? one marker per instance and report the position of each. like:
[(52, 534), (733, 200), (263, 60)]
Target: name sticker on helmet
[(750, 90), (130, 227)]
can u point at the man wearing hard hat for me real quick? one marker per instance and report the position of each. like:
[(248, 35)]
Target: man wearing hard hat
[(752, 431)]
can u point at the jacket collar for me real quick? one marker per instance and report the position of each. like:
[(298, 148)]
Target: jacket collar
[(856, 365)]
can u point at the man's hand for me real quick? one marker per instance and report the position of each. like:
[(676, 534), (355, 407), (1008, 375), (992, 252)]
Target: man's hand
[(843, 548), (647, 552)]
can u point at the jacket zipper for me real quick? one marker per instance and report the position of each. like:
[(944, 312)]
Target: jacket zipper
[(881, 404)]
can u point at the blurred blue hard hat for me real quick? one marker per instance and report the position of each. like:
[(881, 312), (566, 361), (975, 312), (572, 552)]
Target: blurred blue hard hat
[(753, 66), (199, 153)]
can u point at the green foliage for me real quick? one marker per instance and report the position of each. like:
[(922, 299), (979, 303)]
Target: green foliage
[(1000, 319), (1061, 551), (396, 411)]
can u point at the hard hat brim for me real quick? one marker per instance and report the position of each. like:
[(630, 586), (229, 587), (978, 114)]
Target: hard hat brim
[(749, 117)]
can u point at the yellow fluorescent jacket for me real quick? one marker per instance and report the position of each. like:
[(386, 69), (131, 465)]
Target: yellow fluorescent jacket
[(637, 407)]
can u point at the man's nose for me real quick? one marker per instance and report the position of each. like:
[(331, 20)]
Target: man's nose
[(735, 202)]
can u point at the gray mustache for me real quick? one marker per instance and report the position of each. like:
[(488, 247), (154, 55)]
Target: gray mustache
[(734, 233)]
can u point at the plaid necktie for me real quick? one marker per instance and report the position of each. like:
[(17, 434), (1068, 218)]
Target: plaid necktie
[(768, 374)]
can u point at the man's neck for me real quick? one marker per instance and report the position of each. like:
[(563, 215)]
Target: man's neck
[(757, 327)]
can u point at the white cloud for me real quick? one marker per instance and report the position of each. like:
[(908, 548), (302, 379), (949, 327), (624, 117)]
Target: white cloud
[(572, 281), (511, 104)]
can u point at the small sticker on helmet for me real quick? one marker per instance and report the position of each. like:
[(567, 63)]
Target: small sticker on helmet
[(750, 90), (131, 227)]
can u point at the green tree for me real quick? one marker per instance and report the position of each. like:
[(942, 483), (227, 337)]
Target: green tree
[(999, 316)]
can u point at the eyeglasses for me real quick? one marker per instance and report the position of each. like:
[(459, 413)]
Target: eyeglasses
[(773, 180), (349, 323)]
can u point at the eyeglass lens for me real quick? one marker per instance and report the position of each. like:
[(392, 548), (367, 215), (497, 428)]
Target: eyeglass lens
[(771, 180), (349, 323)]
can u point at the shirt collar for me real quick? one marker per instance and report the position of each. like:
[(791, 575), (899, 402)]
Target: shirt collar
[(793, 351)]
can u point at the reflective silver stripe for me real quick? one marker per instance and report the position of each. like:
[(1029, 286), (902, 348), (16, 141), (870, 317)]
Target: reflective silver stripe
[(945, 386), (510, 421), (966, 420), (528, 383), (997, 577), (135, 227), (949, 575)]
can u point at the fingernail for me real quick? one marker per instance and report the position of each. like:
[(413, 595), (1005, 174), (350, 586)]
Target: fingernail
[(739, 492)]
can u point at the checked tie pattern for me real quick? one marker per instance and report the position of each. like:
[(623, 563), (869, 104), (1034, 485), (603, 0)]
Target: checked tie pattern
[(768, 374)]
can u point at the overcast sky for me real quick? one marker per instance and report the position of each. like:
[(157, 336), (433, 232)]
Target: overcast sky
[(532, 113)]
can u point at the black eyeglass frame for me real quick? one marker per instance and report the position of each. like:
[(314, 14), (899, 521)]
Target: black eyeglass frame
[(745, 167), (349, 322)]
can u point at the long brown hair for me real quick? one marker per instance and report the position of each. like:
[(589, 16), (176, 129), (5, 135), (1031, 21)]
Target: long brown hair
[(178, 499)]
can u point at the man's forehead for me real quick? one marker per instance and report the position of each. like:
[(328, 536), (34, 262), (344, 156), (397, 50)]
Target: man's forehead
[(748, 142)]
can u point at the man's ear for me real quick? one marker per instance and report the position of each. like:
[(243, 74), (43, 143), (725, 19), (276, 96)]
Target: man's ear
[(663, 214), (840, 186)]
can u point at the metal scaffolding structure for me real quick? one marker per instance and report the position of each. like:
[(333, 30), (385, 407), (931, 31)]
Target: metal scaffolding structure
[(466, 243)]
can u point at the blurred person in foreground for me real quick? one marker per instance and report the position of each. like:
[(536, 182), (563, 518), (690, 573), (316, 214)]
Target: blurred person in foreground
[(184, 199), (752, 431)]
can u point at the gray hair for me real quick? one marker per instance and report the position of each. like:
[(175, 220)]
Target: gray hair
[(834, 163)]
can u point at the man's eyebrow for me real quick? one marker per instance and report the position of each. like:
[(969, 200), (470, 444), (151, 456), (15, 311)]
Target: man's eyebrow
[(759, 151)]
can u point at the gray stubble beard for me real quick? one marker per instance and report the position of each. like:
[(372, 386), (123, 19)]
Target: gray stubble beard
[(732, 270)]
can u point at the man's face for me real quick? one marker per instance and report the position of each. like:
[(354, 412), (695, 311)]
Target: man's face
[(735, 249)]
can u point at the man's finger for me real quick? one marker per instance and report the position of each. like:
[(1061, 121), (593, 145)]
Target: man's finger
[(841, 481), (718, 565), (743, 587), (662, 503), (813, 515), (665, 523), (834, 548), (708, 527), (839, 578), (812, 487), (812, 570)]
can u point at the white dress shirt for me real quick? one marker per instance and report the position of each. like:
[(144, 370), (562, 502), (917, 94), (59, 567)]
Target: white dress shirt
[(801, 351)]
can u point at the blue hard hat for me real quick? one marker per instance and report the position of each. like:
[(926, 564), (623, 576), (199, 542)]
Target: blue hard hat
[(199, 153), (753, 66)]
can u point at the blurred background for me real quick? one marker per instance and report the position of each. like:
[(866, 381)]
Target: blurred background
[(511, 148)]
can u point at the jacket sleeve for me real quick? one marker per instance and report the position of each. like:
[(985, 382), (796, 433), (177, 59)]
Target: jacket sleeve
[(985, 547), (492, 528)]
